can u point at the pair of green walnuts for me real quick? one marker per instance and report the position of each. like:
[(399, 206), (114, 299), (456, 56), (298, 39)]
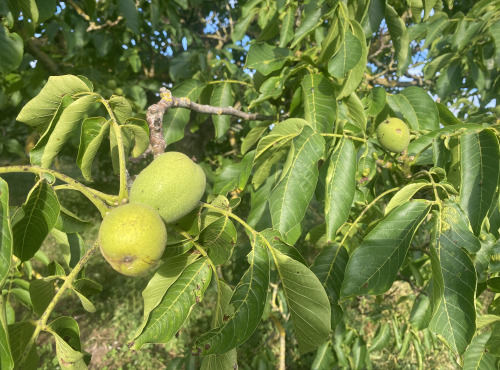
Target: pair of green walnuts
[(133, 236)]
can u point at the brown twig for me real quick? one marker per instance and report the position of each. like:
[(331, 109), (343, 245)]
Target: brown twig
[(155, 113)]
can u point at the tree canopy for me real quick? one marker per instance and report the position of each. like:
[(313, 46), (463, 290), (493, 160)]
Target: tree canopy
[(306, 211)]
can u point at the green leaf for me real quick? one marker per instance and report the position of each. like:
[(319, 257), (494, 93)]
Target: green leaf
[(446, 118), (311, 21), (399, 37), (121, 108), (405, 194), (373, 266), (65, 126), (332, 40), (40, 110), (12, 47), (71, 244), (85, 288), (329, 266), (253, 136), (139, 129), (219, 239), (5, 234), (454, 280), (376, 102), (307, 301), (68, 347), (340, 186), (287, 23), (6, 360), (421, 312), (166, 275), (477, 357), (130, 14), (324, 358), (36, 153), (29, 9), (19, 336), (347, 57), (39, 215), (41, 293), (435, 27), (176, 119), (234, 175), (417, 107), (450, 80), (320, 105), (495, 33), (493, 343), (437, 65), (248, 301), (485, 320), (289, 199), (480, 164), (280, 135), (382, 338), (170, 314), (374, 15), (94, 129), (354, 111), (222, 96), (355, 75), (266, 59), (275, 239), (225, 361)]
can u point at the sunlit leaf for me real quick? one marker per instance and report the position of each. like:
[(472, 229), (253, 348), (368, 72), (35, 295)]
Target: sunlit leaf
[(170, 314), (93, 132), (266, 59), (222, 96), (39, 111), (320, 104)]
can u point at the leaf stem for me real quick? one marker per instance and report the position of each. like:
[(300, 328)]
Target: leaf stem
[(42, 321), (97, 198)]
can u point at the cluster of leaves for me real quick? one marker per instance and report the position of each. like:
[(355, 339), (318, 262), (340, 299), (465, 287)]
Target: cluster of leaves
[(429, 217)]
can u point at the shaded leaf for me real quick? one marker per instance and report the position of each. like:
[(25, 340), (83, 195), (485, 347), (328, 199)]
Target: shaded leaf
[(41, 293), (176, 119), (234, 175), (94, 130), (480, 164), (219, 238), (130, 14), (5, 235), (248, 301), (307, 301), (405, 194), (222, 96), (399, 37), (289, 199), (454, 281), (266, 59), (68, 347), (373, 266), (329, 266), (12, 47), (340, 186), (40, 214)]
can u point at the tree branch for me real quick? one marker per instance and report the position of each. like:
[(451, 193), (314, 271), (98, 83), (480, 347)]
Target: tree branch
[(155, 113)]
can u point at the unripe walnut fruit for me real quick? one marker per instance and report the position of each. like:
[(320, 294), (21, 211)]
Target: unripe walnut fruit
[(393, 135), (132, 238), (172, 185)]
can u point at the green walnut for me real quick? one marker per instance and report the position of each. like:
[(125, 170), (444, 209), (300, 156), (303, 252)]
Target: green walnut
[(112, 84), (172, 185), (393, 135), (132, 238)]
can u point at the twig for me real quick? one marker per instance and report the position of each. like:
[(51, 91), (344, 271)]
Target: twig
[(155, 113)]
